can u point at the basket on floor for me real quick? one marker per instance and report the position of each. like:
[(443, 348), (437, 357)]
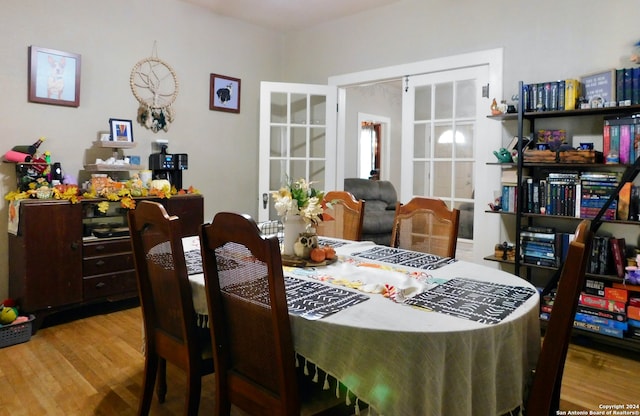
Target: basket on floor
[(16, 333)]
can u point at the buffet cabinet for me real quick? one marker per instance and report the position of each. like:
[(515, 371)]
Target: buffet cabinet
[(66, 255)]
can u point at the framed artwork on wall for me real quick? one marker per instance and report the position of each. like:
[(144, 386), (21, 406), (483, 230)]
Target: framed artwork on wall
[(54, 77), (224, 93), (121, 130)]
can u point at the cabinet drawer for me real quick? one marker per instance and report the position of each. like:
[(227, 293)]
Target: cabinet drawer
[(110, 284), (107, 264), (102, 247)]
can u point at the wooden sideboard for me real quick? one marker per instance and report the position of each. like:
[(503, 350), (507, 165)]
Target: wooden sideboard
[(56, 263)]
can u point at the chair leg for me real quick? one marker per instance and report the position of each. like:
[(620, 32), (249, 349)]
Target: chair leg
[(194, 386), (148, 381), (162, 379)]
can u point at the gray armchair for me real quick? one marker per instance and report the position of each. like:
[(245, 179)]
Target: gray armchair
[(379, 210)]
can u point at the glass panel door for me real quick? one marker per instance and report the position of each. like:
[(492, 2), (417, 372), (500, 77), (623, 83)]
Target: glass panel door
[(297, 139)]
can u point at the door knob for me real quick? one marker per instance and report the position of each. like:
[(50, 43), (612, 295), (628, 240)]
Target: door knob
[(265, 200)]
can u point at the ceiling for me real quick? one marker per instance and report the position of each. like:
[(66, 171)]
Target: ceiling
[(289, 14)]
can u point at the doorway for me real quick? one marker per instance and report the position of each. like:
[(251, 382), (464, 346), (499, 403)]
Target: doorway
[(373, 146)]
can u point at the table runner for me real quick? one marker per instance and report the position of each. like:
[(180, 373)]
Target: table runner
[(484, 302)]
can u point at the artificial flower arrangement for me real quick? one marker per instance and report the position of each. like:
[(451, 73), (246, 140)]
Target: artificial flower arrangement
[(112, 191), (299, 198)]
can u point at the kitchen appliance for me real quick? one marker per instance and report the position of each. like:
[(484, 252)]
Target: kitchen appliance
[(168, 166)]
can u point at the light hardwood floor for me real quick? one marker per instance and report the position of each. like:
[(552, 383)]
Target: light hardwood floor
[(93, 366)]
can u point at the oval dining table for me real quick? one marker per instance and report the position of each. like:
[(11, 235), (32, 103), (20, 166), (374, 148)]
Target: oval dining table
[(404, 359)]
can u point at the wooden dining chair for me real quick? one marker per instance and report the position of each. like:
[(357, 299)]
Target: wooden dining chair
[(171, 332), (544, 395), (249, 322), (342, 216), (426, 225)]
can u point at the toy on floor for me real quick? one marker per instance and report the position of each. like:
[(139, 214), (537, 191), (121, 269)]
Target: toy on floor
[(8, 312)]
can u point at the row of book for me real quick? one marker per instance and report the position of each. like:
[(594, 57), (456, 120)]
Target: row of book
[(543, 246), (621, 139), (628, 86), (572, 194), (603, 308), (566, 94), (552, 95)]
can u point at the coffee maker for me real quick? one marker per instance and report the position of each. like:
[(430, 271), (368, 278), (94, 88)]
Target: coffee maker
[(168, 166)]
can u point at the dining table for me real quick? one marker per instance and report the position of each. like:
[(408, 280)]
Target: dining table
[(408, 333)]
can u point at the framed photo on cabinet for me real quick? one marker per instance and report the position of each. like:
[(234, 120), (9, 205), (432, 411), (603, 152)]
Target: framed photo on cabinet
[(121, 130)]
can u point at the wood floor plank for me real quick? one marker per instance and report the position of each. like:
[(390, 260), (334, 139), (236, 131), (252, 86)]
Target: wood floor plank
[(93, 366)]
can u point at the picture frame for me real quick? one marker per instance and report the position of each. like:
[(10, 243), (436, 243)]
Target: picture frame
[(224, 93), (513, 145), (121, 130), (600, 88), (54, 77)]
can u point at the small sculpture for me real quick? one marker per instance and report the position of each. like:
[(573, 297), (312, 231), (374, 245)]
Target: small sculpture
[(503, 155)]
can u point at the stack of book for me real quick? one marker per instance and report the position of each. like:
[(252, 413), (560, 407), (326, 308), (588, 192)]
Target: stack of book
[(621, 137), (604, 313), (538, 246), (595, 190)]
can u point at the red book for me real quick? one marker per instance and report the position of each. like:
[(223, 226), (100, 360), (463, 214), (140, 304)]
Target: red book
[(618, 247)]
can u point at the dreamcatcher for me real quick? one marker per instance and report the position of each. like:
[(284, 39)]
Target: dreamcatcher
[(155, 85)]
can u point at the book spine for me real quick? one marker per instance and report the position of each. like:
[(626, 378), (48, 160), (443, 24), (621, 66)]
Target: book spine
[(618, 249), (561, 95), (606, 140), (571, 93), (625, 144), (614, 146), (620, 317), (620, 86), (594, 287), (602, 303), (599, 329), (590, 319)]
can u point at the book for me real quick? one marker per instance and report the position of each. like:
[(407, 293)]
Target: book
[(599, 329), (598, 320), (618, 249), (594, 287), (572, 92), (625, 143), (621, 295), (606, 140), (601, 303), (624, 201), (620, 317)]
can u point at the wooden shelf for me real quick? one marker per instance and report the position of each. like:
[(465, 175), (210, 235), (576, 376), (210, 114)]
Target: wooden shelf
[(114, 145), (95, 167)]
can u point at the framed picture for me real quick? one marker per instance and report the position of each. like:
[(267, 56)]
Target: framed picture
[(224, 93), (600, 88), (513, 145), (54, 77), (121, 130)]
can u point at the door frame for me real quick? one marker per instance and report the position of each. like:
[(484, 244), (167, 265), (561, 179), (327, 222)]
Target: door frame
[(488, 228), (384, 141)]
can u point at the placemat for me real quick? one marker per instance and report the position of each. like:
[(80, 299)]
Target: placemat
[(310, 300), (403, 257), (471, 299)]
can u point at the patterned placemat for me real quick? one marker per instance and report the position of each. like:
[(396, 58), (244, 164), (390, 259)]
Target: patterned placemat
[(470, 299), (193, 258), (310, 300), (406, 258)]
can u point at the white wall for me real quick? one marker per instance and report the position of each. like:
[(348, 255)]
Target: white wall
[(542, 40), (112, 36)]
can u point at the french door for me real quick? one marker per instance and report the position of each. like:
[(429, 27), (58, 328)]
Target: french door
[(297, 139), (440, 116)]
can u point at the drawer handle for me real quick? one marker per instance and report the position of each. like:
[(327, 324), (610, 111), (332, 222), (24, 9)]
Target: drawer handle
[(100, 285), (100, 263), (100, 247)]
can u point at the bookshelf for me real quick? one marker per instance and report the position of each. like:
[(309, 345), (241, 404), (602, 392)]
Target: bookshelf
[(562, 221)]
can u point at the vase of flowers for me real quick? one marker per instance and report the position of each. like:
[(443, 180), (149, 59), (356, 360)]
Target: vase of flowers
[(299, 206)]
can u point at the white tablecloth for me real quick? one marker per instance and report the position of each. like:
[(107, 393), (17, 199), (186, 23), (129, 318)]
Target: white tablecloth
[(407, 361)]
